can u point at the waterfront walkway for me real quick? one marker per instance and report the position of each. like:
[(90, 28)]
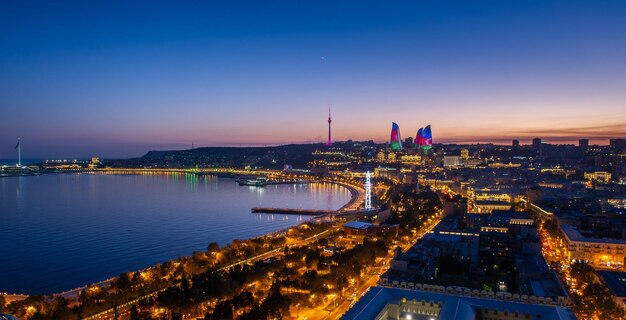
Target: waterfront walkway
[(125, 307)]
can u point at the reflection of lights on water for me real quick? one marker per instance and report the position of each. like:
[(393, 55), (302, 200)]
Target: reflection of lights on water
[(257, 190)]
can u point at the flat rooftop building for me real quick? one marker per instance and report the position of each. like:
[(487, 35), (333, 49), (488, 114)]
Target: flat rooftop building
[(598, 251), (616, 282), (383, 303)]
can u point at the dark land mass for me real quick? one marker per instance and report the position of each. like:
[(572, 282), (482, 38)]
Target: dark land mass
[(296, 155)]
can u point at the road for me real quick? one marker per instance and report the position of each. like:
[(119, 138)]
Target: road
[(276, 252), (373, 280), (345, 305)]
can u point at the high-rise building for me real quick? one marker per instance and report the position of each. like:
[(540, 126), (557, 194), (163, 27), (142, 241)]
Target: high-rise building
[(408, 142), (583, 143), (427, 138), (618, 145), (537, 143), (395, 141), (516, 143)]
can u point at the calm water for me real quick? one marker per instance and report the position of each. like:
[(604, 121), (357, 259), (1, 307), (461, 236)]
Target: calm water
[(61, 231)]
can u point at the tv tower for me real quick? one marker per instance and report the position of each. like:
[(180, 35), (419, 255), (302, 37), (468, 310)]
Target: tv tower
[(329, 143)]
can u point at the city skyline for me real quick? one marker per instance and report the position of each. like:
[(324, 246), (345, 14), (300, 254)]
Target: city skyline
[(118, 80)]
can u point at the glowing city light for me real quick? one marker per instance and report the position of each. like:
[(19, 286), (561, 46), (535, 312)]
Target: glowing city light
[(368, 191)]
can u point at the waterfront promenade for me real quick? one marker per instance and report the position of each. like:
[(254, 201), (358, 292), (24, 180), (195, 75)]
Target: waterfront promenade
[(125, 308)]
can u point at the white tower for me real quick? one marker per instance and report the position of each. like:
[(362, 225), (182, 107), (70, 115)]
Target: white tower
[(368, 191), (19, 152)]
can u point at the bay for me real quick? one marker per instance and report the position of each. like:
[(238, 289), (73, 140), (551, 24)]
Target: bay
[(61, 231)]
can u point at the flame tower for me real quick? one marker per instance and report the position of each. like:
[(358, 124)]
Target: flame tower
[(396, 141), (330, 141)]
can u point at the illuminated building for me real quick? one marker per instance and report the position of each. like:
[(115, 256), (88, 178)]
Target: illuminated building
[(619, 203), (424, 138), (408, 301), (484, 206), (551, 184), (391, 157), (411, 159), (381, 156), (418, 137), (491, 195), (451, 161), (395, 142), (384, 172), (95, 161), (355, 232), (599, 176), (464, 154), (599, 252)]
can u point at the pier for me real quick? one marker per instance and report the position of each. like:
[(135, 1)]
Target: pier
[(308, 212), (353, 206)]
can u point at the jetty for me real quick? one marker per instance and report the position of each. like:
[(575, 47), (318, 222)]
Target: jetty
[(308, 212), (353, 206)]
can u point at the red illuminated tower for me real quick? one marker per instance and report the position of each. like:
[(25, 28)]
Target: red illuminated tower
[(330, 142)]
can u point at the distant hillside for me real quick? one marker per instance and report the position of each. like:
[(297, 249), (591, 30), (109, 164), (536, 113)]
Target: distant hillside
[(275, 156)]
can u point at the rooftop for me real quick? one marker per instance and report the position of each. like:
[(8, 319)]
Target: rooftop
[(615, 281), (453, 307), (574, 235), (357, 225)]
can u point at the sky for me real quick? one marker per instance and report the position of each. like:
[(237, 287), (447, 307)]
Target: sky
[(119, 78)]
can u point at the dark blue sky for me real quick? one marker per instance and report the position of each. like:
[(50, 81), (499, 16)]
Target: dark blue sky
[(117, 79)]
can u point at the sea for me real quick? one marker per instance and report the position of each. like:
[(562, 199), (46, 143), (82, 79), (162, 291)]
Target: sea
[(61, 231)]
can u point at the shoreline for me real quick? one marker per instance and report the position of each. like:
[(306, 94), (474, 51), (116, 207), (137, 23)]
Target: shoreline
[(73, 293)]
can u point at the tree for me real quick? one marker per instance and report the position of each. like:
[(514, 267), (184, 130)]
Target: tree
[(134, 313), (123, 281), (3, 302), (243, 299), (136, 281), (213, 247), (582, 272), (60, 309), (552, 229), (223, 310)]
